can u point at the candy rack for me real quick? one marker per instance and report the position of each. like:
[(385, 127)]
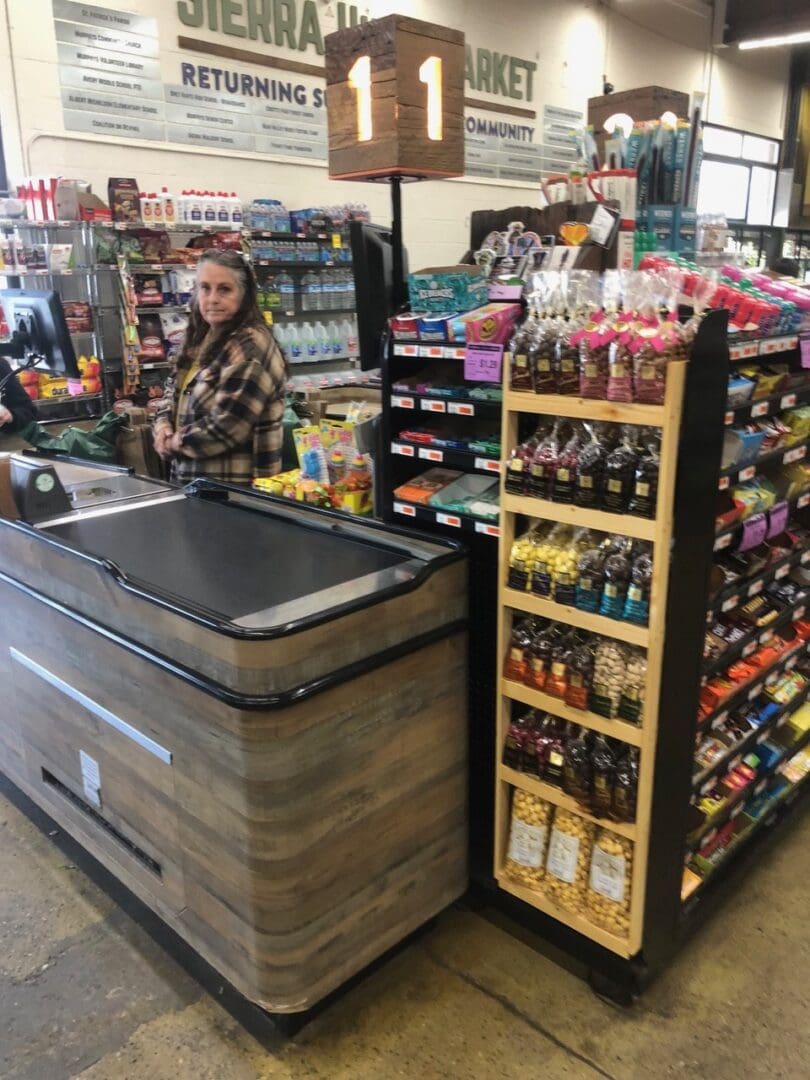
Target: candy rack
[(690, 421), (514, 603)]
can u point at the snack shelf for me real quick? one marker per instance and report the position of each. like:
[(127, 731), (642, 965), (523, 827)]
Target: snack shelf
[(754, 686), (743, 648), (536, 699), (729, 760), (164, 309), (467, 461), (768, 817), (264, 234), (734, 805), (147, 268), (573, 616), (726, 538), (452, 406), (67, 399), (429, 351), (73, 271), (557, 796), (577, 408), (300, 313), (750, 350), (576, 922), (738, 593), (767, 406), (434, 516), (783, 455), (162, 226), (569, 514), (289, 264)]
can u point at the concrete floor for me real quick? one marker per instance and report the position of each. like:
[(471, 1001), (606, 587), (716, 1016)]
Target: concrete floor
[(86, 991)]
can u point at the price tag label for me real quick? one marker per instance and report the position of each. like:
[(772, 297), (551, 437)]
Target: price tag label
[(805, 557), (458, 408), (402, 449), (404, 508), (448, 519), (707, 787), (433, 406), (788, 401), (482, 363), (406, 350), (765, 636), (736, 352), (763, 735), (778, 518), (735, 813), (487, 530), (783, 571), (729, 418), (749, 648), (723, 542), (755, 691), (487, 464), (735, 761), (761, 786), (720, 720), (799, 614), (760, 409), (756, 588), (731, 603), (433, 352), (747, 473), (455, 354), (755, 529), (805, 350), (430, 455), (794, 455), (803, 500), (725, 482), (398, 402)]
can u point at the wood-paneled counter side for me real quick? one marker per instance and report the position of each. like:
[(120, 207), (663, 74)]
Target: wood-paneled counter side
[(290, 847)]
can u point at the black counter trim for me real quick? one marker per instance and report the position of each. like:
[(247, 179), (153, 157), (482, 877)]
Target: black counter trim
[(247, 702), (210, 619)]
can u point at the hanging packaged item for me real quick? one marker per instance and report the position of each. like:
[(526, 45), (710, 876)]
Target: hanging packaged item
[(610, 883), (528, 839), (568, 860)]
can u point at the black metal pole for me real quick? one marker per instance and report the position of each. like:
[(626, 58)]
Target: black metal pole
[(400, 295)]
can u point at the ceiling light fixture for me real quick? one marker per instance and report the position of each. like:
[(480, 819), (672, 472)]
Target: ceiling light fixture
[(769, 42)]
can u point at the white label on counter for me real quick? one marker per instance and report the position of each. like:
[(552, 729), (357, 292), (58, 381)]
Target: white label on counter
[(404, 508), (487, 530), (399, 402), (433, 406), (396, 448), (448, 519), (430, 455), (457, 408), (608, 874), (527, 844), (563, 852), (91, 778)]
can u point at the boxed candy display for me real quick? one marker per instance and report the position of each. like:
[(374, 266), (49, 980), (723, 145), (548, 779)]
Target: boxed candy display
[(447, 288)]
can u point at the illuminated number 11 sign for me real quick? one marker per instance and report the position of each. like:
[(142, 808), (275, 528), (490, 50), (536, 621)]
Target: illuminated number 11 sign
[(395, 100), (430, 73)]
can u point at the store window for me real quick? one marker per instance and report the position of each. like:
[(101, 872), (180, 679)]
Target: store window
[(738, 176)]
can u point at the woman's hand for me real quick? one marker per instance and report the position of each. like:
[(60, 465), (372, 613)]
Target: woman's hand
[(5, 416), (162, 437)]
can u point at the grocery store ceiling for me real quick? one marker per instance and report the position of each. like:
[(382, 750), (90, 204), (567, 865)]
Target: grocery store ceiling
[(696, 23)]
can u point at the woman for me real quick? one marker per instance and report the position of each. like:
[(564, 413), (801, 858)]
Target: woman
[(222, 410), (16, 407)]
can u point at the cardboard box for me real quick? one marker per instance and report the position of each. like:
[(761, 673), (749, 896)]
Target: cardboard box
[(448, 288)]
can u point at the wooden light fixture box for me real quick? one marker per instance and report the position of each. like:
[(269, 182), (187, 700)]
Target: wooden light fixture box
[(413, 123)]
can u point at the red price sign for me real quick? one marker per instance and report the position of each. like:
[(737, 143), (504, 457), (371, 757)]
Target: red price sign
[(482, 363)]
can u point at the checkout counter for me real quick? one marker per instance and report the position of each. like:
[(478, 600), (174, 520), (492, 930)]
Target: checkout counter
[(253, 713)]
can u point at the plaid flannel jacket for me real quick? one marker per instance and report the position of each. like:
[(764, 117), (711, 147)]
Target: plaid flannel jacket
[(230, 414)]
